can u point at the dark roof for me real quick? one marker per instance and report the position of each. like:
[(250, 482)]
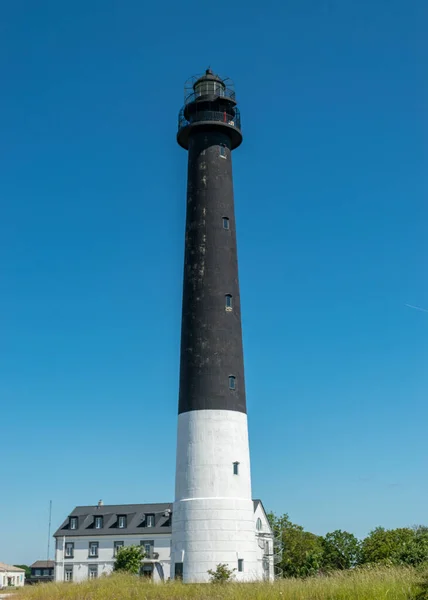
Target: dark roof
[(43, 564), (135, 524)]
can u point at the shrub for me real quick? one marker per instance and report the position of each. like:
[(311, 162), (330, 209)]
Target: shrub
[(221, 574), (128, 559)]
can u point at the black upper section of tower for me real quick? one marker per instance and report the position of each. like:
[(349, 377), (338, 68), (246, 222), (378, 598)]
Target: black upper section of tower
[(209, 102), (211, 363)]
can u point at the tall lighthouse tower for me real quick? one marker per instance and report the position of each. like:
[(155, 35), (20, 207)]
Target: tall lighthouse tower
[(213, 516)]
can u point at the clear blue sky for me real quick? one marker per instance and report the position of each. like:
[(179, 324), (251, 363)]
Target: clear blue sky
[(331, 200)]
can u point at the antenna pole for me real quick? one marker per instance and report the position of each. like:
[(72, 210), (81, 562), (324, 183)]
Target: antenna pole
[(49, 529)]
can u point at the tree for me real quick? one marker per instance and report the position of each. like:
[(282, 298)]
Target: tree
[(128, 559), (342, 550), (221, 574), (416, 551), (393, 546), (27, 570), (302, 551)]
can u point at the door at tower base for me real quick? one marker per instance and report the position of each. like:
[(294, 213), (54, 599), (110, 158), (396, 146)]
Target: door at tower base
[(213, 516)]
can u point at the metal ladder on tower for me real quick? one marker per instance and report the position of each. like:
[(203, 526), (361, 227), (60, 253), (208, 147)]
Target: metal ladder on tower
[(277, 553), (272, 545)]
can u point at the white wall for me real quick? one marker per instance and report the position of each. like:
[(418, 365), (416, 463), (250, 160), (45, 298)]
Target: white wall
[(16, 579), (105, 559), (264, 542), (213, 515)]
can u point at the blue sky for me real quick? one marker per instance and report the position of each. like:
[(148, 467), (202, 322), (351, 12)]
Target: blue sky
[(330, 189)]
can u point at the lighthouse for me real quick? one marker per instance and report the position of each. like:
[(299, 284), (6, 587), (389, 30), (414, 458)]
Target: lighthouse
[(213, 516)]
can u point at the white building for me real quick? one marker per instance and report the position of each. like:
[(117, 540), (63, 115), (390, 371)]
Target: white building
[(11, 576), (88, 539)]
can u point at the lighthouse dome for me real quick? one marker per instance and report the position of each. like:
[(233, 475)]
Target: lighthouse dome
[(209, 85)]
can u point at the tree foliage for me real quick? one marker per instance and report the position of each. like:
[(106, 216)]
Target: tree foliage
[(405, 545), (128, 559), (341, 550), (302, 551), (305, 554), (221, 574), (27, 570)]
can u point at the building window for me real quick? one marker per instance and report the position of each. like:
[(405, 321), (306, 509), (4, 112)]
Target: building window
[(93, 549), (240, 564), (73, 522), (228, 302), (236, 468), (148, 547), (222, 151), (93, 571), (68, 573), (232, 382), (69, 549), (46, 572), (225, 223), (38, 573), (150, 520), (98, 522), (122, 521), (259, 524), (116, 547)]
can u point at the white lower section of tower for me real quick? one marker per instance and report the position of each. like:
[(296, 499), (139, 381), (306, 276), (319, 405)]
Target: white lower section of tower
[(213, 517)]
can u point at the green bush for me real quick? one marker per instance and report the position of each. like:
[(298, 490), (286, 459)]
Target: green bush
[(221, 574), (128, 559)]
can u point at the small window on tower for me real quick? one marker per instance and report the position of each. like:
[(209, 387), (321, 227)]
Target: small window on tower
[(240, 564), (232, 382), (236, 468), (225, 223), (228, 302), (222, 151)]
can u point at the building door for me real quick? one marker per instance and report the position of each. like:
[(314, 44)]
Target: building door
[(147, 570), (178, 570)]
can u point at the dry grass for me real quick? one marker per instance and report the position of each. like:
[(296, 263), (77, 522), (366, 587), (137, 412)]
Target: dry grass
[(374, 584)]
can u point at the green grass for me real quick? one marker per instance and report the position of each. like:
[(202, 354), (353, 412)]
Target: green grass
[(365, 584)]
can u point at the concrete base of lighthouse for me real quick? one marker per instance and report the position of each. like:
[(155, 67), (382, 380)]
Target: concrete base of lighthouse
[(213, 516)]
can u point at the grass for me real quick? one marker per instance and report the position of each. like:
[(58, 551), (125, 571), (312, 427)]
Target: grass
[(365, 584)]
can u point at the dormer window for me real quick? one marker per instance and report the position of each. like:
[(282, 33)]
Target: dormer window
[(150, 520), (73, 522), (98, 522), (121, 521)]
